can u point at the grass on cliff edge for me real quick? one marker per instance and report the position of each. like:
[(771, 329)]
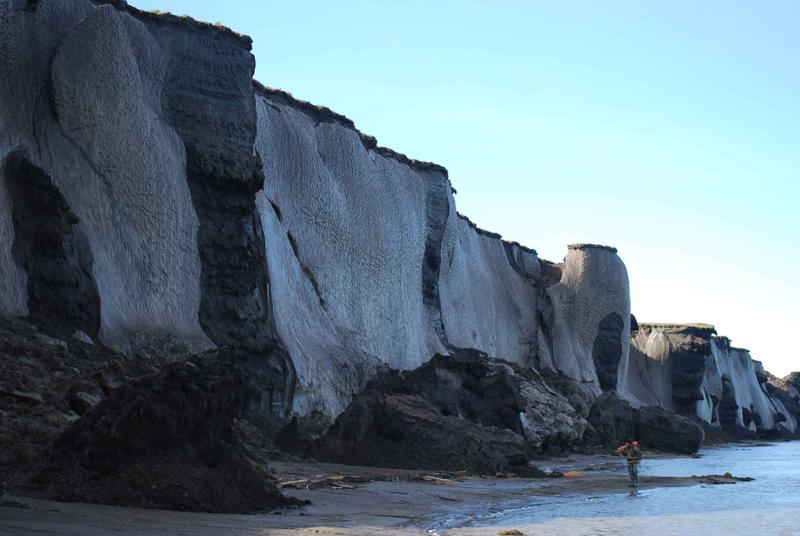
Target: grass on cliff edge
[(667, 325), (186, 19)]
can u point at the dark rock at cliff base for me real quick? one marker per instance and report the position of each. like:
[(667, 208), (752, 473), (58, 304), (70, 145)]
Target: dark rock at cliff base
[(716, 435), (657, 428), (406, 431), (464, 411), (45, 384), (163, 441), (576, 392), (612, 421), (787, 392)]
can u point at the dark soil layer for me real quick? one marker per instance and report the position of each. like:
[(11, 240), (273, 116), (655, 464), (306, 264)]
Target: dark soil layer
[(46, 383), (458, 412), (81, 422), (663, 430), (163, 441), (406, 431), (787, 390), (613, 420)]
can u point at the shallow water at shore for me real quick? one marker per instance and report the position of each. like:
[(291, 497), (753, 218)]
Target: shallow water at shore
[(669, 503), (768, 505)]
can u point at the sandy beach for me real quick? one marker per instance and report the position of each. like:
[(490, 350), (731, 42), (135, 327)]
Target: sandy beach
[(355, 501)]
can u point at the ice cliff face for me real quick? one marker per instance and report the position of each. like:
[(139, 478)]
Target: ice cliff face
[(371, 265), (155, 198), (129, 140), (82, 113), (588, 318), (347, 233), (689, 370)]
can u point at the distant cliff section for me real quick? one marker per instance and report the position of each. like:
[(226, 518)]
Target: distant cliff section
[(156, 200), (689, 370)]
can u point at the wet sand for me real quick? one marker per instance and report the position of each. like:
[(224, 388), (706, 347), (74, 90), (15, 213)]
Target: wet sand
[(386, 502)]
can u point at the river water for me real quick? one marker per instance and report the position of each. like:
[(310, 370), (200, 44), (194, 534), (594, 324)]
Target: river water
[(768, 505)]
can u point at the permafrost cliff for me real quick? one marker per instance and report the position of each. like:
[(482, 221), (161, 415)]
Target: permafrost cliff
[(156, 198)]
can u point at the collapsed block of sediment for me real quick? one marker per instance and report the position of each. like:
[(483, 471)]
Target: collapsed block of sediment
[(459, 412), (613, 420), (162, 441)]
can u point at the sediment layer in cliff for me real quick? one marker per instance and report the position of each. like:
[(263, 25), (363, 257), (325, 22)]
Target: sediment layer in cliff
[(157, 200), (165, 440)]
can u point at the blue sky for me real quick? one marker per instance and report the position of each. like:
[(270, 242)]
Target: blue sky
[(670, 130)]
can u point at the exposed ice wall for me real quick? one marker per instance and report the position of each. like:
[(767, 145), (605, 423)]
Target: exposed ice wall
[(648, 379), (82, 99), (346, 232), (589, 318), (736, 365), (147, 128), (371, 264), (488, 292), (351, 256), (686, 369)]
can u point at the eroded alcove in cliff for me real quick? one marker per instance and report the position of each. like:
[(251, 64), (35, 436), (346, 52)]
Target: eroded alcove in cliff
[(50, 248)]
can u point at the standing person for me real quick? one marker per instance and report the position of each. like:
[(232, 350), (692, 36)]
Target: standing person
[(633, 455)]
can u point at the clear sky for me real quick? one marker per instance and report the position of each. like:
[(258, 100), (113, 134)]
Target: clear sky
[(669, 129)]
